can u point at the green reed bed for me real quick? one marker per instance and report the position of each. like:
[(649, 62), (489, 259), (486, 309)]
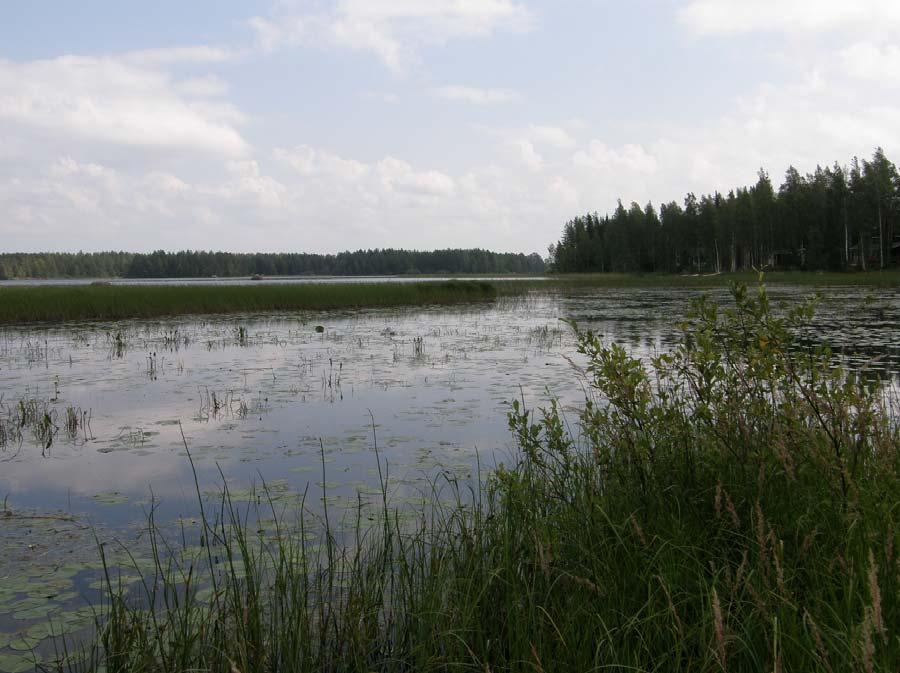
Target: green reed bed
[(730, 506), (112, 302)]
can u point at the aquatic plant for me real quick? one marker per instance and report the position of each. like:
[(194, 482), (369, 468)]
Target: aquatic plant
[(76, 418), (117, 344), (10, 428), (213, 403), (39, 417)]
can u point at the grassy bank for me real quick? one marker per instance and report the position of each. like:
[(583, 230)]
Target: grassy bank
[(731, 506), (91, 302)]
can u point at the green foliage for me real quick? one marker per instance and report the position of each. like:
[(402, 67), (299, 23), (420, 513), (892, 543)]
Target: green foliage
[(202, 264), (58, 303), (834, 219), (736, 499)]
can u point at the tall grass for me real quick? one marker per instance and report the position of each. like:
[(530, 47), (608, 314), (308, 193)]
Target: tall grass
[(59, 303), (730, 506)]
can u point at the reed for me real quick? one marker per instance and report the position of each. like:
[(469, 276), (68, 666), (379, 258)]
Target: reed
[(115, 302)]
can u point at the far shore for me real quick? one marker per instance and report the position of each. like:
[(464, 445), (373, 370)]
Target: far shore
[(105, 299)]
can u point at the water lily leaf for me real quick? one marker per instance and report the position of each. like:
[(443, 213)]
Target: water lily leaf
[(16, 663), (24, 643), (33, 613), (42, 630), (110, 498)]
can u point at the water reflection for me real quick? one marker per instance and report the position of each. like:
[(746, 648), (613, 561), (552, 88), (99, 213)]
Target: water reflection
[(265, 394)]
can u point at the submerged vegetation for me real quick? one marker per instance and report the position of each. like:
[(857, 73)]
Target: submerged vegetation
[(731, 505), (111, 302)]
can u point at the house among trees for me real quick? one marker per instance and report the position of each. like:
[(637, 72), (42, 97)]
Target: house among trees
[(785, 259)]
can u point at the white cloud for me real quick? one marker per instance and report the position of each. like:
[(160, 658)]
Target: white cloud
[(730, 17), (249, 184), (313, 162), (528, 154), (397, 175), (631, 158), (537, 145), (74, 202), (555, 136), (840, 102), (563, 190), (389, 175), (165, 182), (113, 100), (304, 198), (475, 95), (328, 31), (392, 29), (208, 86), (812, 122), (867, 61), (170, 55)]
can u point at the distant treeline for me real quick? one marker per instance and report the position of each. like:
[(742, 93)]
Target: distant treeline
[(836, 218), (199, 264)]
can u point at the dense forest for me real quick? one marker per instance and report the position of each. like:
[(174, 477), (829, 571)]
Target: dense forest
[(836, 218), (198, 264)]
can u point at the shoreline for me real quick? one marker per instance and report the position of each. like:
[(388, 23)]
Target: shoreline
[(49, 303)]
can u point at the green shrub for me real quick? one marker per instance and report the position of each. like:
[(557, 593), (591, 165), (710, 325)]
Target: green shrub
[(734, 501)]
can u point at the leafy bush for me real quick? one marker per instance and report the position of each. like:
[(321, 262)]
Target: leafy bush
[(733, 501)]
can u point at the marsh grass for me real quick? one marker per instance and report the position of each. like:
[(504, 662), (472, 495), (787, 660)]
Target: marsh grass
[(729, 506), (56, 304), (39, 418), (20, 305)]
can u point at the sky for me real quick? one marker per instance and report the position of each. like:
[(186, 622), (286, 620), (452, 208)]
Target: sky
[(315, 126)]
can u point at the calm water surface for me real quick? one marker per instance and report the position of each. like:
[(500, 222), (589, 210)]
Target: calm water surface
[(263, 394)]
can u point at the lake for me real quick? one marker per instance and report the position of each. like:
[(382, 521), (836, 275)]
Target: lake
[(298, 402)]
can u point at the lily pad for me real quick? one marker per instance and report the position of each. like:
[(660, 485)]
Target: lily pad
[(16, 663), (24, 643), (42, 630), (32, 613), (110, 498)]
